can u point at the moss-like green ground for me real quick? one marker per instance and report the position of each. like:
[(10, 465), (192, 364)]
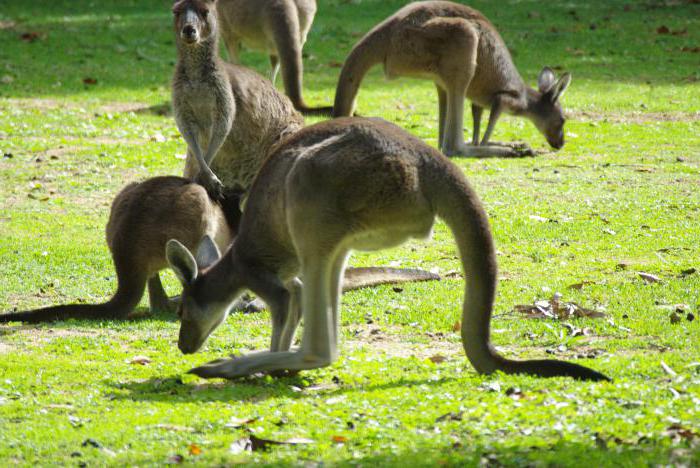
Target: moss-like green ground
[(619, 199)]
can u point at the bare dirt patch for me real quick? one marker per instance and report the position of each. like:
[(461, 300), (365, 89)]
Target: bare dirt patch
[(388, 341), (634, 117), (6, 348)]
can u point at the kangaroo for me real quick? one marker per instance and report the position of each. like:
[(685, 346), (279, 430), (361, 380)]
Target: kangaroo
[(209, 95), (332, 187), (461, 51), (278, 28), (144, 216)]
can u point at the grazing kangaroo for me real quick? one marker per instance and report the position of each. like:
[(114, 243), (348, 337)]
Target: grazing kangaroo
[(209, 95), (278, 28), (144, 217), (339, 185), (461, 51)]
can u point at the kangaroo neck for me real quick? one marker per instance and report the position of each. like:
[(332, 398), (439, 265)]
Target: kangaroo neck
[(198, 62)]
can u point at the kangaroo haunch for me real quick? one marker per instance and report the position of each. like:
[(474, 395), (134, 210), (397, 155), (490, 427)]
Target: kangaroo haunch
[(336, 186)]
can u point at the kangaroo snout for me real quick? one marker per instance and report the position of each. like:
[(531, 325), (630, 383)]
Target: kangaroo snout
[(189, 33)]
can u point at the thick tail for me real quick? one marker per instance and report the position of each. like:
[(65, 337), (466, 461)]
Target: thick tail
[(357, 278), (461, 209), (288, 41), (369, 51), (128, 295)]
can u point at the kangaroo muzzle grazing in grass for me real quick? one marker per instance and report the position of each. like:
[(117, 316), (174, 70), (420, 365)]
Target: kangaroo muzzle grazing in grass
[(332, 187), (462, 53), (144, 216), (278, 28)]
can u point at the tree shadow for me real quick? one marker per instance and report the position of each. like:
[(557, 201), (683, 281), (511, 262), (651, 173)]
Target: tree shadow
[(60, 47)]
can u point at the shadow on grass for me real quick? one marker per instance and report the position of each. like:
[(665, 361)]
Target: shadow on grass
[(55, 47), (174, 390)]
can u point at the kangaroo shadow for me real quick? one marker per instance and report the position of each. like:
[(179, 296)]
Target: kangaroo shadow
[(259, 387)]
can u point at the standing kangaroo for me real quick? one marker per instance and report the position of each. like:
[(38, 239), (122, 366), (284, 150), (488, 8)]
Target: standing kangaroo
[(144, 217), (278, 28), (332, 187), (461, 51), (209, 95)]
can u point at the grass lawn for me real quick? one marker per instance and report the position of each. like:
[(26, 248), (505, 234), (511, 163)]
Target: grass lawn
[(84, 109)]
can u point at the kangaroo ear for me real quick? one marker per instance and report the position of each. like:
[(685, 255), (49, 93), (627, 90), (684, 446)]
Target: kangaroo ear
[(545, 82), (207, 252), (181, 261), (561, 86)]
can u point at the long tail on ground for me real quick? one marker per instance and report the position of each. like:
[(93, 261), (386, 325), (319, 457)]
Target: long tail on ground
[(128, 295), (369, 51), (459, 207), (366, 277)]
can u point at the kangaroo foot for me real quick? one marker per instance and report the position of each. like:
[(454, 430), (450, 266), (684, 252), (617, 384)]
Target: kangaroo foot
[(520, 150)]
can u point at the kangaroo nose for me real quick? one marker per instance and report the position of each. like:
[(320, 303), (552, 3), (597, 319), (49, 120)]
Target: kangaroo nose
[(189, 31)]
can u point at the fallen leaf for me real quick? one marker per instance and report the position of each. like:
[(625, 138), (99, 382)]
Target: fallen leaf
[(515, 393), (140, 360), (31, 36), (455, 416), (338, 439), (688, 272), (159, 138), (457, 326), (335, 64), (437, 359), (236, 423), (174, 428), (667, 369), (556, 309), (649, 278), (662, 30), (194, 450), (89, 81), (579, 286), (175, 460), (675, 318), (677, 432), (693, 50)]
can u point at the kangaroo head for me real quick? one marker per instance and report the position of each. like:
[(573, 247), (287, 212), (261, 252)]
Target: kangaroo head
[(204, 302), (195, 21), (545, 111)]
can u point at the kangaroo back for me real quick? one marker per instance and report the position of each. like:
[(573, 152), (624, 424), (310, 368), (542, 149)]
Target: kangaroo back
[(458, 205)]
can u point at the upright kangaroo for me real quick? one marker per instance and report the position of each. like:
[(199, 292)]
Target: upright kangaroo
[(209, 95), (340, 185), (144, 217), (278, 28), (461, 51)]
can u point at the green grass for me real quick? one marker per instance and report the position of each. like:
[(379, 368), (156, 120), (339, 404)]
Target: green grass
[(622, 198)]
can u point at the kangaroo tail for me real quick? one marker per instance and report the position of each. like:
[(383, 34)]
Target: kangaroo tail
[(369, 51), (459, 207), (129, 293), (357, 278)]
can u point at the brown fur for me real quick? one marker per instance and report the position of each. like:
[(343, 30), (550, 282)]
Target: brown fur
[(144, 216), (228, 114), (278, 28), (328, 189), (460, 50)]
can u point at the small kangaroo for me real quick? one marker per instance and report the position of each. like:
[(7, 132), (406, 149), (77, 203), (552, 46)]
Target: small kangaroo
[(144, 216), (335, 186), (209, 95), (278, 28), (461, 51)]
